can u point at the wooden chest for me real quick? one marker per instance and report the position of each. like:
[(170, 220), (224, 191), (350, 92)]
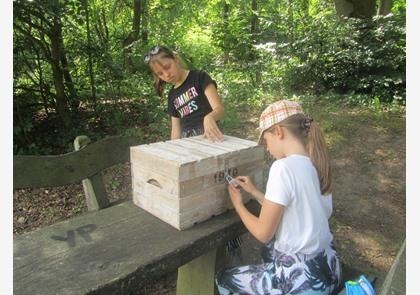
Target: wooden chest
[(183, 182)]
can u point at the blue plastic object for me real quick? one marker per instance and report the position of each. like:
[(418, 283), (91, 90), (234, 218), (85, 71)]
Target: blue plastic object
[(361, 286)]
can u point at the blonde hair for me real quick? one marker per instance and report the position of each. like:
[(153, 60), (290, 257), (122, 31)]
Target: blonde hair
[(312, 137)]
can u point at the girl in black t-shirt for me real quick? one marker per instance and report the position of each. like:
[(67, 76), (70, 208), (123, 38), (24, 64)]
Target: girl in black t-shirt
[(193, 101)]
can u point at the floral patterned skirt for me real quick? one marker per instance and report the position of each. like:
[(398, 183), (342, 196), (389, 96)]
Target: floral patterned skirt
[(283, 273)]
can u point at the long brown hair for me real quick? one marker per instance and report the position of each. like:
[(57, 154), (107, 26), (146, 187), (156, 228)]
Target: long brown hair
[(312, 137), (163, 52)]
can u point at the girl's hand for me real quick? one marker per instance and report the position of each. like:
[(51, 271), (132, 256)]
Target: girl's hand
[(211, 130), (246, 183), (235, 195)]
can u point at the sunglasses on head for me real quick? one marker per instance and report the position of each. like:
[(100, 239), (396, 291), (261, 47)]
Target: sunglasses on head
[(153, 51)]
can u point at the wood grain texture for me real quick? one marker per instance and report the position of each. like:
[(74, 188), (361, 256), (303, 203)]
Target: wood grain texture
[(46, 171), (183, 182), (93, 187), (116, 250)]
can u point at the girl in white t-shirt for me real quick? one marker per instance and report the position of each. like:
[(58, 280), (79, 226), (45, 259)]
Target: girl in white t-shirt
[(300, 257)]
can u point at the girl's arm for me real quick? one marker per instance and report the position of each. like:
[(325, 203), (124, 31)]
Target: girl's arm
[(246, 183), (263, 227), (176, 128), (259, 196), (211, 130)]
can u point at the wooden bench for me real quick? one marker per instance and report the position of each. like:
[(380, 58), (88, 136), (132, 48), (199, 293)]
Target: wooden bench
[(120, 249), (116, 250)]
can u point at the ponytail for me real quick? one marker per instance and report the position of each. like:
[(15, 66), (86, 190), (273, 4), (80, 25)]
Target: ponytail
[(312, 137), (317, 150)]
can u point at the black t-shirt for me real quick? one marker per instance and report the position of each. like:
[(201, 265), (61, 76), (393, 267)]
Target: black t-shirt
[(188, 101)]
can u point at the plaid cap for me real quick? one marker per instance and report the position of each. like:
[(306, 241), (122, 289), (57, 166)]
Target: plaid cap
[(277, 112)]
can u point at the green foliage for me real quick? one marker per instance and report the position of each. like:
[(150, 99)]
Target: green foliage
[(349, 56), (256, 54)]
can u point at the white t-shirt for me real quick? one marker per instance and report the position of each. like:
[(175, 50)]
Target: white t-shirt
[(293, 182)]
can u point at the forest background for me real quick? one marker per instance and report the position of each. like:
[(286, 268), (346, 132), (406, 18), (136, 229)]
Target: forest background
[(78, 69), (78, 65)]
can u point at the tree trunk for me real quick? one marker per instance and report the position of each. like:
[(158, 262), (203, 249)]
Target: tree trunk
[(364, 8), (254, 33), (105, 22), (74, 100), (385, 7), (132, 36), (343, 7), (225, 21), (144, 22), (61, 101), (41, 83), (18, 113), (90, 63), (355, 8), (100, 26)]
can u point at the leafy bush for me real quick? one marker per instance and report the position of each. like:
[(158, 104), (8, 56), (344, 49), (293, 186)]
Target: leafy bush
[(348, 56)]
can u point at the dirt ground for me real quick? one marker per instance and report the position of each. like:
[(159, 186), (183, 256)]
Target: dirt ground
[(367, 151)]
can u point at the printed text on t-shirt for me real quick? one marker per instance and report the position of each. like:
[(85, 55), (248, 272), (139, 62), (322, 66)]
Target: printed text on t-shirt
[(185, 104)]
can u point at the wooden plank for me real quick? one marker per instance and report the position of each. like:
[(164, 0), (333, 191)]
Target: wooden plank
[(112, 251), (209, 148), (228, 142), (190, 209), (168, 184), (174, 189), (142, 190), (145, 160), (214, 145), (180, 144), (93, 187), (195, 185), (46, 171), (189, 154), (185, 153), (159, 149), (220, 163), (158, 207), (197, 277), (241, 141)]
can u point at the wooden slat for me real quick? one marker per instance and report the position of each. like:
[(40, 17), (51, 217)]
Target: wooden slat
[(164, 163), (239, 141), (113, 251), (45, 171), (209, 148), (93, 187), (213, 145), (183, 145), (182, 152), (156, 150)]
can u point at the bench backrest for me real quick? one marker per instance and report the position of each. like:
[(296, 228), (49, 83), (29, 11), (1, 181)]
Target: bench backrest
[(84, 164)]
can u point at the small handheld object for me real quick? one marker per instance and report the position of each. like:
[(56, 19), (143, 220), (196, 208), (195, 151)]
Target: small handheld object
[(232, 181)]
